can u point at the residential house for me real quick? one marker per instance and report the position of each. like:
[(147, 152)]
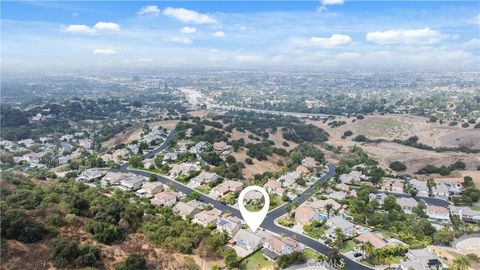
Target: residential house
[(206, 218), (183, 169), (90, 175), (302, 170), (420, 186), (342, 187), (186, 210), (441, 190), (379, 197), (203, 178), (465, 213), (273, 186), (132, 182), (274, 246), (230, 225), (220, 146), (170, 156), (114, 177), (376, 240), (149, 189), (321, 205), (289, 179), (247, 240), (253, 196), (393, 185), (407, 204), (438, 213), (421, 259), (345, 226), (337, 195), (166, 198), (309, 162), (354, 177), (226, 187), (305, 215), (198, 148)]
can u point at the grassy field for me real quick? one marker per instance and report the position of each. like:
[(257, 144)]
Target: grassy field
[(203, 189), (348, 246), (311, 254), (316, 232), (256, 261), (275, 201)]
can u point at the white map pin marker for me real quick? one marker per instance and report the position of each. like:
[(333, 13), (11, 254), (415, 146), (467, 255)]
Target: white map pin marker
[(253, 219)]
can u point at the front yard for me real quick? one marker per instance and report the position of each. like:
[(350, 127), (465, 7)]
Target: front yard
[(256, 261)]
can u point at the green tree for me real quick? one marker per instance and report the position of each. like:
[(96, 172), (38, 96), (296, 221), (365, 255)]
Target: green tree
[(134, 261), (398, 166), (231, 258), (136, 161)]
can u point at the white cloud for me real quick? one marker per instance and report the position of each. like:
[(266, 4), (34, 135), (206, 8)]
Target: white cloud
[(244, 58), (219, 34), (474, 20), (149, 10), (182, 40), (85, 29), (348, 55), (188, 16), (334, 40), (332, 2), (104, 52), (424, 36), (188, 30), (108, 26), (78, 29)]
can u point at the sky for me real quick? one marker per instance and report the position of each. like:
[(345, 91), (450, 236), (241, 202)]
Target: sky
[(324, 35)]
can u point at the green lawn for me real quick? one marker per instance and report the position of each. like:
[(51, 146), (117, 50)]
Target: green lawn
[(348, 246), (275, 201), (253, 207), (287, 222), (229, 198), (203, 189), (311, 254), (316, 232), (256, 261)]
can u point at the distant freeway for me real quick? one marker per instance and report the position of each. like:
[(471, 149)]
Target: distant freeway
[(295, 114)]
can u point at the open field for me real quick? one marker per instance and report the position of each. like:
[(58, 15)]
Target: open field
[(134, 133), (258, 167), (396, 126), (391, 127)]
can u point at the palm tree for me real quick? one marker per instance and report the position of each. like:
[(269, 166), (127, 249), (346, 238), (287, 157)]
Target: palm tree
[(368, 248), (328, 207), (339, 237), (460, 263)]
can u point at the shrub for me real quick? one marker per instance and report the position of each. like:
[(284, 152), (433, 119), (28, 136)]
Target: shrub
[(133, 262), (398, 166)]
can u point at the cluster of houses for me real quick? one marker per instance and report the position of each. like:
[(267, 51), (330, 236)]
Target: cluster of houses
[(47, 151), (440, 190), (121, 155)]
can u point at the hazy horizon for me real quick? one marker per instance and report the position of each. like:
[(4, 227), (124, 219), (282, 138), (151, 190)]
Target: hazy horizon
[(324, 35)]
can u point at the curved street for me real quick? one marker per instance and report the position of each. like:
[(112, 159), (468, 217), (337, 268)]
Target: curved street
[(269, 222)]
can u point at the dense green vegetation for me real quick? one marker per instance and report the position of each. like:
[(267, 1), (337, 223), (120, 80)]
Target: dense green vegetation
[(64, 253), (31, 212), (442, 170), (261, 124), (134, 261), (417, 231), (398, 166)]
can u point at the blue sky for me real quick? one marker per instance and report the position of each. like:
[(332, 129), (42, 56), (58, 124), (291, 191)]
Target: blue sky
[(328, 34)]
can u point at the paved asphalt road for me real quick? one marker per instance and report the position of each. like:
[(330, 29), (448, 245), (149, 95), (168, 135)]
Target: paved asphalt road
[(268, 223)]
